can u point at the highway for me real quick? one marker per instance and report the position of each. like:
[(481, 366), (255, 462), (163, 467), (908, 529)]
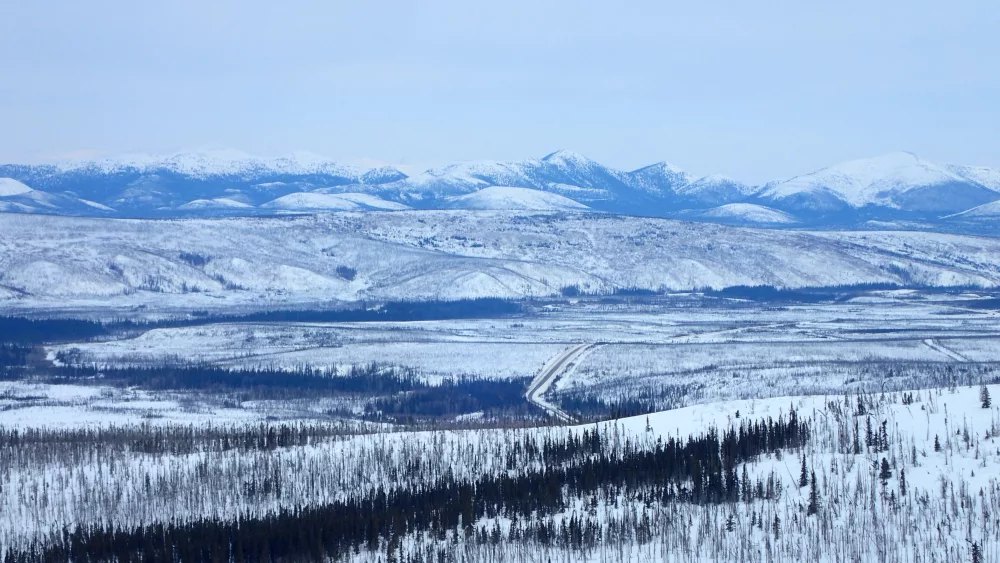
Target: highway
[(555, 368)]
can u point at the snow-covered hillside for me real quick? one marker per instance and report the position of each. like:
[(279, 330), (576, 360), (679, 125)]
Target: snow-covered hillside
[(897, 181), (749, 213), (16, 197), (986, 211), (216, 203), (11, 187), (989, 177), (563, 172), (498, 197), (813, 478), (158, 185), (218, 162), (66, 261), (711, 191), (313, 201)]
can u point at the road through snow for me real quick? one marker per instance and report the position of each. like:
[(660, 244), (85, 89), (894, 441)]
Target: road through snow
[(937, 347), (556, 367)]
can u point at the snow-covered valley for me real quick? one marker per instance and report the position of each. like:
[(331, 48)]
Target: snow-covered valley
[(629, 397)]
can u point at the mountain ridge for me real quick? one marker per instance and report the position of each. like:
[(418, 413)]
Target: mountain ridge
[(895, 187)]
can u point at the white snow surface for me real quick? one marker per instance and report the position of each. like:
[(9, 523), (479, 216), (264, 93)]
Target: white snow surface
[(987, 210), (866, 181), (10, 186), (750, 213), (502, 197), (989, 177), (714, 190), (333, 202), (216, 203), (450, 255), (219, 162)]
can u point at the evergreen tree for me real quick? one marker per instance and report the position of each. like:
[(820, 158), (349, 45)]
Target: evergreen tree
[(984, 396), (813, 497), (869, 438), (937, 444), (776, 526), (902, 483), (885, 472), (977, 555), (803, 474)]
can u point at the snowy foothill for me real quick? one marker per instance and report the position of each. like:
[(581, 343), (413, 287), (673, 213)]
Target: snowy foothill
[(832, 496), (497, 197), (11, 187), (109, 264)]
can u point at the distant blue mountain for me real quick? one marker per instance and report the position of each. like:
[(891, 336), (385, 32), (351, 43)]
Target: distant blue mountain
[(897, 188)]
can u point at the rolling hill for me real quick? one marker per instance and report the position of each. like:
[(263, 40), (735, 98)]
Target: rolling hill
[(114, 264)]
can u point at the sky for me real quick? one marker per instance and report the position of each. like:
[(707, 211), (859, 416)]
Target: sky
[(754, 90)]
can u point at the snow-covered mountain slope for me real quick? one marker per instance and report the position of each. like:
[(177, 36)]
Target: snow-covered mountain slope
[(63, 261), (218, 162), (499, 197), (986, 211), (16, 197), (897, 181), (893, 189), (748, 213), (155, 185), (313, 201), (11, 187), (645, 191), (661, 179), (216, 203), (712, 191), (989, 177)]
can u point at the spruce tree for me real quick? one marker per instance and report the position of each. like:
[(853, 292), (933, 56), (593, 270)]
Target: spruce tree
[(813, 497), (984, 397), (803, 474), (869, 439), (902, 483), (885, 472), (937, 444)]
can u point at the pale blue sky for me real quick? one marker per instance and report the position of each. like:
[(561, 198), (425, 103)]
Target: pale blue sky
[(755, 90)]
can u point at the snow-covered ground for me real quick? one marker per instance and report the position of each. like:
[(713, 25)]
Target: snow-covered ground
[(944, 441), (716, 350), (498, 197)]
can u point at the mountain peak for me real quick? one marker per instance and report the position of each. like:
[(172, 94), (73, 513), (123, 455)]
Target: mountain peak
[(717, 179), (897, 180), (662, 167), (566, 156)]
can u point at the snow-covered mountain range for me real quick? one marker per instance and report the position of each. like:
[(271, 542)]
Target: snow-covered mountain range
[(896, 187)]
